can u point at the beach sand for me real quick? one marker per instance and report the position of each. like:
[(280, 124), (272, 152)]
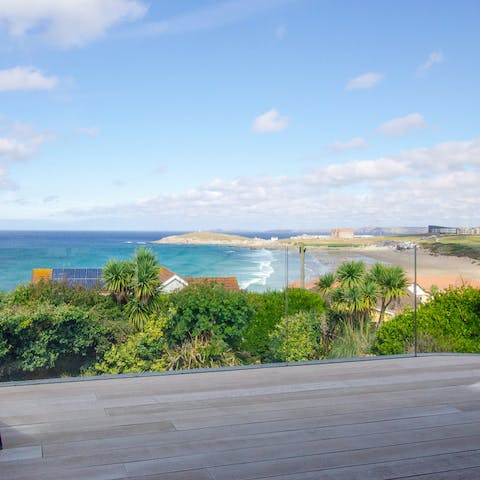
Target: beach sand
[(428, 265)]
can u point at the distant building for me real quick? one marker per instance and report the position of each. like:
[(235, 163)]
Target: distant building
[(469, 230), (438, 230), (342, 233)]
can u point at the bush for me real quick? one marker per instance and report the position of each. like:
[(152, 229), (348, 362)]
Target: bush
[(450, 322), (200, 352), (50, 329), (54, 293), (297, 338), (142, 352), (209, 310), (48, 340), (269, 309)]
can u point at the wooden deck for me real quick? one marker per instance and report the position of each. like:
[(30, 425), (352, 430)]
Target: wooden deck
[(383, 419)]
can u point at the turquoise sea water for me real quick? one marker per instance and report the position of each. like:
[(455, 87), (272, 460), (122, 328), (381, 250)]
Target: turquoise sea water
[(256, 269)]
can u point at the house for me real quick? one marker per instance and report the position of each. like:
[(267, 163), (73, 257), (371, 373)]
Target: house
[(170, 281), (91, 277)]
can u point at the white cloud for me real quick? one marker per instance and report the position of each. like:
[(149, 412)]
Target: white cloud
[(399, 126), (270, 121), (208, 17), (412, 187), (434, 58), (25, 78), (89, 131), (67, 23), (353, 144), (367, 80), (18, 143)]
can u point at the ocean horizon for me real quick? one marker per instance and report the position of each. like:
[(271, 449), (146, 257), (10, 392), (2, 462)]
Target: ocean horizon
[(256, 269)]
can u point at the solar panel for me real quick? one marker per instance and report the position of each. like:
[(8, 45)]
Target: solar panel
[(86, 277)]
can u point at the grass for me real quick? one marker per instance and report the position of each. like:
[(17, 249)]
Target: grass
[(455, 245), (353, 341)]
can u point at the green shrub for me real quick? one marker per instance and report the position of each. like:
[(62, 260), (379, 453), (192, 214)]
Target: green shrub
[(297, 337), (450, 322), (143, 351), (209, 310), (269, 309), (48, 340), (200, 352)]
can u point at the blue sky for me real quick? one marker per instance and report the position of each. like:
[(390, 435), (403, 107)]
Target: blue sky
[(238, 114)]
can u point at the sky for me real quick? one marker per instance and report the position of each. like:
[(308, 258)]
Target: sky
[(239, 114)]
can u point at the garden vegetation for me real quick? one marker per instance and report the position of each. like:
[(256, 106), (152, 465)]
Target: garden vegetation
[(50, 329)]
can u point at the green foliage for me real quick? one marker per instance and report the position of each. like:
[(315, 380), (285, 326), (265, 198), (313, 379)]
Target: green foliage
[(209, 309), (136, 283), (142, 352), (269, 309), (450, 322), (297, 337), (50, 329), (201, 352), (54, 293), (117, 277), (49, 340), (353, 341), (352, 292)]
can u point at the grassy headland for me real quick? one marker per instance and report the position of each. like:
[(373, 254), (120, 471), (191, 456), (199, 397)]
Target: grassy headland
[(454, 245)]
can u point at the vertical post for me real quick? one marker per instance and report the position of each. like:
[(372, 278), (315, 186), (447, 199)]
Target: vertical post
[(286, 296), (286, 280), (302, 266), (415, 299)]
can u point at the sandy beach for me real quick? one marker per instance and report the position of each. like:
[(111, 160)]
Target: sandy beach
[(428, 265), (432, 269)]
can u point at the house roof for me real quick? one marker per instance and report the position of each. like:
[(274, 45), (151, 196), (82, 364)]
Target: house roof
[(230, 283), (41, 274), (165, 274), (309, 284), (443, 282)]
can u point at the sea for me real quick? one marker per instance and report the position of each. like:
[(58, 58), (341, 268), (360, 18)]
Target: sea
[(256, 269)]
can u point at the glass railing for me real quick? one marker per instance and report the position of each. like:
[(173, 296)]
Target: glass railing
[(338, 304)]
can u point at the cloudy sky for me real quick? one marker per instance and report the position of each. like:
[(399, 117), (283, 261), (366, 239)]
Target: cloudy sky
[(238, 114)]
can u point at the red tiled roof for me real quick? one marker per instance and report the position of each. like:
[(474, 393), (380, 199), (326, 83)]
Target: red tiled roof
[(230, 283), (442, 282), (165, 274)]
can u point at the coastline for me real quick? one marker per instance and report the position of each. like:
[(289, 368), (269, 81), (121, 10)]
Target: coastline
[(428, 264)]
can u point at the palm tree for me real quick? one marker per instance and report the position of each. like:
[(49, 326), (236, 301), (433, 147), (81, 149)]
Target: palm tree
[(145, 278), (392, 284), (351, 274), (145, 286), (117, 276), (326, 285)]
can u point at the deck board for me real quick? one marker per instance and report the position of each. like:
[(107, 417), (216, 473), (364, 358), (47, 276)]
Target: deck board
[(389, 418)]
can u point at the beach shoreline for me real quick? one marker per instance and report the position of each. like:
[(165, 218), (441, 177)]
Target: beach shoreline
[(428, 264)]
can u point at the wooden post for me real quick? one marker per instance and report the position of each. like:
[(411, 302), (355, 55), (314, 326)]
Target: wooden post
[(302, 265)]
